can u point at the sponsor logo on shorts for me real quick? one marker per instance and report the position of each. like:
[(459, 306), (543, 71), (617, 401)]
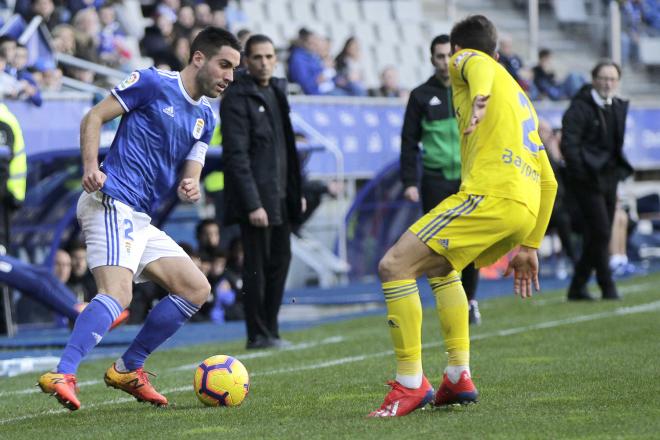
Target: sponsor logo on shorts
[(444, 242)]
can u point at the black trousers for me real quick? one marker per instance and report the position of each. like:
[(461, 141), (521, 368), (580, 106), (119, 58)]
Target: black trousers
[(597, 210), (435, 188), (267, 253)]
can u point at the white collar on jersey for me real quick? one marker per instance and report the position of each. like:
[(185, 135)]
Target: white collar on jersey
[(599, 100), (185, 94)]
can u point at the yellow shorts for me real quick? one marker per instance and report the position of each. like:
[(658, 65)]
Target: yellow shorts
[(468, 227)]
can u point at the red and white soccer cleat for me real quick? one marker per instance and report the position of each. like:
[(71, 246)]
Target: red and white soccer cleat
[(463, 392), (401, 401), (63, 387), (135, 383)]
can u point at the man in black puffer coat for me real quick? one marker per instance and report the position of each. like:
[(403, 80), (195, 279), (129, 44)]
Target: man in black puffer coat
[(262, 185), (592, 145)]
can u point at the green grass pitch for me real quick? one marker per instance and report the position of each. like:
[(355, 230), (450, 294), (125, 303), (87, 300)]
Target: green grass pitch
[(545, 369)]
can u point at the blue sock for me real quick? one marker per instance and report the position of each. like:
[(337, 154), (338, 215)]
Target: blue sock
[(163, 321), (92, 324)]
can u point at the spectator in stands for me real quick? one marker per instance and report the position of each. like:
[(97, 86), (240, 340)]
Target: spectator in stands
[(51, 80), (113, 47), (328, 86), (181, 51), (207, 233), (51, 15), (243, 36), (158, 39), (262, 185), (87, 27), (185, 21), (17, 82), (81, 281), (62, 266), (632, 12), (430, 120), (23, 73), (305, 64), (547, 85), (512, 62), (389, 85), (592, 144), (203, 14), (350, 73)]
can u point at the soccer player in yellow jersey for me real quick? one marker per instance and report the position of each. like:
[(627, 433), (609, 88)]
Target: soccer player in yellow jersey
[(505, 200)]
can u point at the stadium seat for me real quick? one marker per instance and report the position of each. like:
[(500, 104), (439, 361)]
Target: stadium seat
[(365, 33), (326, 11), (273, 29), (570, 11), (649, 50), (407, 11), (339, 33), (387, 54), (302, 11), (278, 11), (376, 11), (388, 32), (254, 11), (349, 11)]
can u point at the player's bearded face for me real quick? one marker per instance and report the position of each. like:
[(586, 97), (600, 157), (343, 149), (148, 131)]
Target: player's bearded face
[(217, 72), (210, 83)]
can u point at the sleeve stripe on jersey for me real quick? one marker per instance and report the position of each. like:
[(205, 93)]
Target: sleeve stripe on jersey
[(167, 73), (121, 101), (463, 66)]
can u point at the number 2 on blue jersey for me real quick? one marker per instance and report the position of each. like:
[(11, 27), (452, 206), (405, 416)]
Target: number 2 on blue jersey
[(528, 125)]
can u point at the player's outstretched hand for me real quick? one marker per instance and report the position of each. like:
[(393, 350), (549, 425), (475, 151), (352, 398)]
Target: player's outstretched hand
[(525, 268), (93, 181), (188, 190), (478, 112)]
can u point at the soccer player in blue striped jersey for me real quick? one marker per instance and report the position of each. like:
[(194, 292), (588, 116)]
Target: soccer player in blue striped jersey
[(160, 145)]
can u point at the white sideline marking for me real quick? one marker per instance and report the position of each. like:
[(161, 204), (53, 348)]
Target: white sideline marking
[(621, 311), (254, 355), (628, 290)]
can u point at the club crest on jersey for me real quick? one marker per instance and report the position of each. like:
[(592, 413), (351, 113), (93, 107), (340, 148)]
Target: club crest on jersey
[(199, 127), (132, 79), (459, 58)]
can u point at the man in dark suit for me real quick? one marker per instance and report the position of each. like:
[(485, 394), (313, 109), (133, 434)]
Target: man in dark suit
[(262, 184), (592, 145)]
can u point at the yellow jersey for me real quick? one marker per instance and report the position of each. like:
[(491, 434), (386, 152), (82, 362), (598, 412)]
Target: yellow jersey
[(503, 156)]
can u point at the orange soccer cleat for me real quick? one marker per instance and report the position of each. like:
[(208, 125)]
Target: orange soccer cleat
[(63, 387), (135, 383)]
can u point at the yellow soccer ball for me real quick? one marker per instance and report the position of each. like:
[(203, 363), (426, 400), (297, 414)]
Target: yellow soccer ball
[(221, 380)]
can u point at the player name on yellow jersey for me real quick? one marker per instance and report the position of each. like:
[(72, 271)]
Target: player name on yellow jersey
[(502, 156)]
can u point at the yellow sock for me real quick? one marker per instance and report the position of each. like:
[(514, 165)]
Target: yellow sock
[(404, 317), (452, 307)]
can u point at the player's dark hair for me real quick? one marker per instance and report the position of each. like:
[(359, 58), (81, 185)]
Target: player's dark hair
[(439, 39), (474, 32), (604, 63), (210, 40), (256, 39)]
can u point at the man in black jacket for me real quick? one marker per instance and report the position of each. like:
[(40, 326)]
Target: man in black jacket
[(592, 145), (430, 119), (262, 184)]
